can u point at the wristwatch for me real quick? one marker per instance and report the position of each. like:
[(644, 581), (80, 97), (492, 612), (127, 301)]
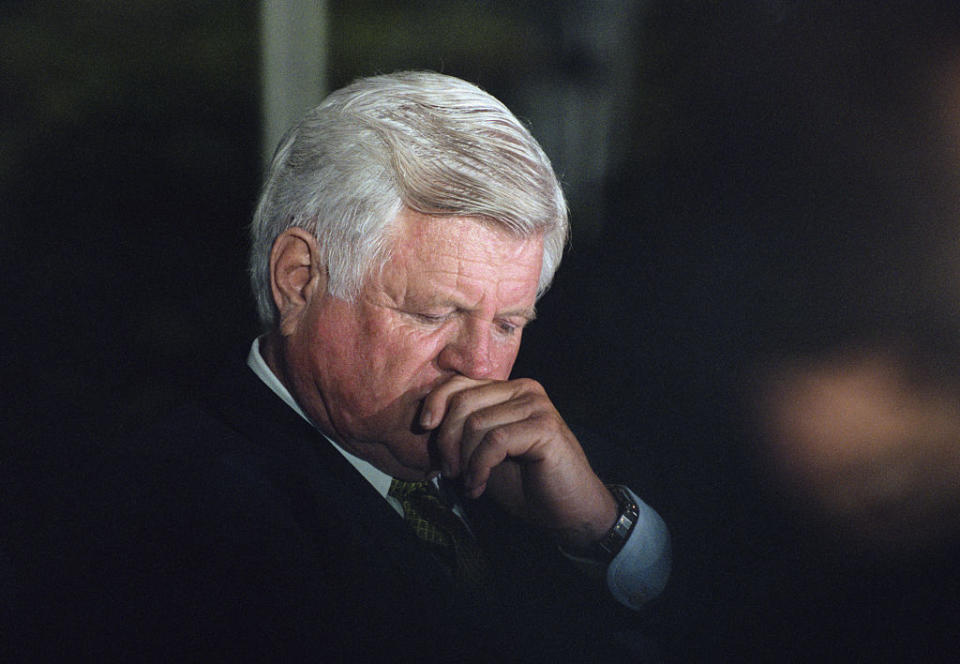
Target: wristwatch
[(629, 512)]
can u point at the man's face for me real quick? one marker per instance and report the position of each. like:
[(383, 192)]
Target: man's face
[(453, 299)]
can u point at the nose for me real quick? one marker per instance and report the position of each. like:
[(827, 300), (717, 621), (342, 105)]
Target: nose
[(468, 352)]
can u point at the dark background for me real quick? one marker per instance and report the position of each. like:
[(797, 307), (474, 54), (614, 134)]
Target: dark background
[(747, 180)]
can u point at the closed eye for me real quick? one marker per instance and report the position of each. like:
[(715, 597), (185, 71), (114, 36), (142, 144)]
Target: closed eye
[(510, 328), (430, 318)]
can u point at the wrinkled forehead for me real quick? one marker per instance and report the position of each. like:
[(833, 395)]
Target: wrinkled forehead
[(467, 249), (426, 233)]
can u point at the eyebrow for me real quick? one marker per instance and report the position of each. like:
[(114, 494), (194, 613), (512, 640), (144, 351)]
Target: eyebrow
[(528, 313)]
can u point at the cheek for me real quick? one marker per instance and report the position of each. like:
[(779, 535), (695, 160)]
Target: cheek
[(402, 353), (504, 356)]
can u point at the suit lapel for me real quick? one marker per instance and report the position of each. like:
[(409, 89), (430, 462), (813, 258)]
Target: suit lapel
[(337, 491)]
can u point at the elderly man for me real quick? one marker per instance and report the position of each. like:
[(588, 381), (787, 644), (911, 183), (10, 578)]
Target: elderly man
[(373, 482)]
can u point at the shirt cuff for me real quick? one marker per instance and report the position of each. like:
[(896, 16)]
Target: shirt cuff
[(640, 571)]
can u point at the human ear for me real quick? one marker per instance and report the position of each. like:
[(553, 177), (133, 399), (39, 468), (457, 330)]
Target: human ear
[(295, 276)]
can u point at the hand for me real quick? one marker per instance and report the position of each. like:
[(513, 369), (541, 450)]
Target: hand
[(507, 438)]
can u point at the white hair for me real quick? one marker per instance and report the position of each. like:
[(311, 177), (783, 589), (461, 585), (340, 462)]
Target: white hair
[(429, 142)]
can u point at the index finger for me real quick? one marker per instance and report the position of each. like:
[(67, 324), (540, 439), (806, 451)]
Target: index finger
[(435, 403)]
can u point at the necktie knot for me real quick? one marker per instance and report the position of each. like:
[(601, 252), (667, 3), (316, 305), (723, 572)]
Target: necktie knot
[(402, 489), (437, 525), (423, 511)]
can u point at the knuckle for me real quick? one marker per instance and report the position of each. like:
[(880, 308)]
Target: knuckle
[(548, 423), (474, 423), (496, 438), (457, 400), (529, 385)]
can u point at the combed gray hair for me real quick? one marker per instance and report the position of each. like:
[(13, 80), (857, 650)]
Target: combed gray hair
[(433, 143)]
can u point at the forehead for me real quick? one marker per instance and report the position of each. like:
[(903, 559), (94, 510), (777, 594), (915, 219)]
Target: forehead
[(465, 249), (427, 235)]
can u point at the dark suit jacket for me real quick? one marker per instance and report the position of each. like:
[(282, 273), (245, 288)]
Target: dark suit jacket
[(238, 532)]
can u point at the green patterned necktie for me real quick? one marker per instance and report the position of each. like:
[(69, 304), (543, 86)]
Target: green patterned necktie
[(437, 526)]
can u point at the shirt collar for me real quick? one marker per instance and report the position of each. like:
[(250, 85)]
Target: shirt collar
[(376, 477)]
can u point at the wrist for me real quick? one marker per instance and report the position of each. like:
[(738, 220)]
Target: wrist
[(584, 541)]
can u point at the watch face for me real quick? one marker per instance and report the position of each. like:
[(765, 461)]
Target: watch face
[(616, 537)]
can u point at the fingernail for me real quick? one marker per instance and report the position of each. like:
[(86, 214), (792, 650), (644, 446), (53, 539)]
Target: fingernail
[(426, 419)]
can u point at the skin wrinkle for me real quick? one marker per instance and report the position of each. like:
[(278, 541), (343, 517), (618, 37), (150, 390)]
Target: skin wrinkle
[(393, 385), (371, 363)]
